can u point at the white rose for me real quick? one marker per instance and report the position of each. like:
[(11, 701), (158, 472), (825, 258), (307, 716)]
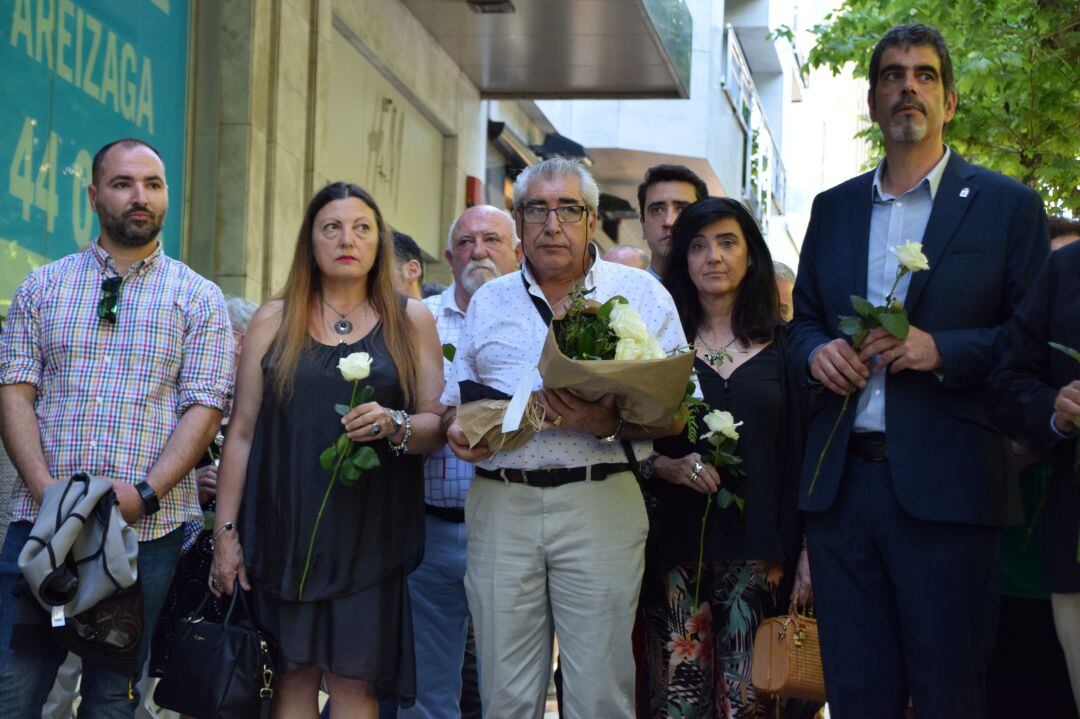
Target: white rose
[(911, 257), (629, 349), (626, 323), (723, 423), (632, 349), (355, 367)]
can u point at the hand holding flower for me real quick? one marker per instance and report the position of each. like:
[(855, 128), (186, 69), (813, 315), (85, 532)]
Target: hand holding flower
[(1067, 408), (917, 351)]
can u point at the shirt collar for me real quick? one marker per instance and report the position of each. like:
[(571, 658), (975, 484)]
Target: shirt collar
[(108, 266), (932, 179), (449, 300)]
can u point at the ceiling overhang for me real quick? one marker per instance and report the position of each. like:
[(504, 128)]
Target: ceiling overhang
[(566, 48)]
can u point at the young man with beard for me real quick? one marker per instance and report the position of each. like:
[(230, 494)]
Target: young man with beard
[(665, 192), (481, 246), (115, 361), (903, 526)]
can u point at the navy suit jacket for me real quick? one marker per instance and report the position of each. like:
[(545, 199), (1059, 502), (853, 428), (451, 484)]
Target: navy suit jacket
[(985, 240), (1021, 399)]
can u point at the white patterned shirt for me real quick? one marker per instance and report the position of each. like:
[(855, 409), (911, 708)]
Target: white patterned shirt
[(502, 338), (446, 478)]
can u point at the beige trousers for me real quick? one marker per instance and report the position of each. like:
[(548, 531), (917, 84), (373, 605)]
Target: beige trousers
[(1067, 623), (565, 560)]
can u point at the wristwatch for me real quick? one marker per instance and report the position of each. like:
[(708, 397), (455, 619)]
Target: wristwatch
[(397, 416), (615, 436), (149, 497)]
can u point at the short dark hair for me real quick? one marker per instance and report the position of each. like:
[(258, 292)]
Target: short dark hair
[(99, 156), (756, 313), (919, 35), (669, 173), (406, 249), (1060, 226)]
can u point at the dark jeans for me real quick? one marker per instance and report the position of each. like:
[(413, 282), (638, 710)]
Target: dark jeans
[(906, 607), (26, 677)]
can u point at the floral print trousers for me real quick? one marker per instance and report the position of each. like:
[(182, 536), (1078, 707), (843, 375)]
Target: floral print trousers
[(699, 659)]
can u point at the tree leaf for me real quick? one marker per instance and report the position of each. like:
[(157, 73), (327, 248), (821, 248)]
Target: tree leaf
[(851, 325), (343, 444), (864, 308), (365, 394), (724, 498), (342, 409), (895, 323), (858, 338), (449, 351), (739, 502)]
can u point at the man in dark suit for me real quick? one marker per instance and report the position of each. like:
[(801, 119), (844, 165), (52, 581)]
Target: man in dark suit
[(1035, 398), (902, 526)]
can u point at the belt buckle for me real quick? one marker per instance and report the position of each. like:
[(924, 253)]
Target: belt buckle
[(524, 476)]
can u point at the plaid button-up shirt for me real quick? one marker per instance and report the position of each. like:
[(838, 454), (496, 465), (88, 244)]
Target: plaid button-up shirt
[(110, 395), (446, 478)]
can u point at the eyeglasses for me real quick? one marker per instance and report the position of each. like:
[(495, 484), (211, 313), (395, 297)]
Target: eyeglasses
[(110, 299), (538, 214)]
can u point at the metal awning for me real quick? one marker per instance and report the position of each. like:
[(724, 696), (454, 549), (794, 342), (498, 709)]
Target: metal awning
[(565, 48)]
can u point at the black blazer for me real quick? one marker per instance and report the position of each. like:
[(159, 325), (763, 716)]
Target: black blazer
[(985, 240), (1021, 399)]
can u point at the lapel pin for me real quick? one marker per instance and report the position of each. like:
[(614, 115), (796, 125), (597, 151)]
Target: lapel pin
[(964, 192)]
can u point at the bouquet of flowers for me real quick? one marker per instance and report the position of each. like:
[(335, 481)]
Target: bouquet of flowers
[(891, 316), (592, 349), (343, 458)]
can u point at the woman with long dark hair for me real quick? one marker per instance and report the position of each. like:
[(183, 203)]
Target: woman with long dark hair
[(720, 273), (348, 620)]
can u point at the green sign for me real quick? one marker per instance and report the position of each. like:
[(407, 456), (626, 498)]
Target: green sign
[(77, 75)]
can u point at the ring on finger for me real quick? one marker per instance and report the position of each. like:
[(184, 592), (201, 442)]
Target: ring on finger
[(375, 429), (215, 584), (558, 420), (694, 477), (698, 467)]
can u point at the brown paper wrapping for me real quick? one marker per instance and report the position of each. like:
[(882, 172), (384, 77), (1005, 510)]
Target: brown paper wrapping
[(482, 421), (647, 392)]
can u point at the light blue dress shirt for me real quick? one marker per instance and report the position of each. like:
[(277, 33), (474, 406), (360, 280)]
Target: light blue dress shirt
[(893, 221)]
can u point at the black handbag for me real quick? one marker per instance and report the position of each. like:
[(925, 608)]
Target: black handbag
[(218, 670)]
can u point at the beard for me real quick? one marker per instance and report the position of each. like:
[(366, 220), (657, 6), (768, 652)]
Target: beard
[(130, 233), (473, 276), (907, 128)]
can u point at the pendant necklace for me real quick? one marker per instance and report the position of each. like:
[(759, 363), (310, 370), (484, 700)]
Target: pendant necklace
[(719, 356), (343, 326)]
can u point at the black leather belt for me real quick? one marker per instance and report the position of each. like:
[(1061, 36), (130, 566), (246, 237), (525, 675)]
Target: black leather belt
[(446, 514), (552, 477), (868, 446)]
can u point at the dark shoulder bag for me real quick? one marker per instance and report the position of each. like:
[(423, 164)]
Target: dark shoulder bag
[(218, 670)]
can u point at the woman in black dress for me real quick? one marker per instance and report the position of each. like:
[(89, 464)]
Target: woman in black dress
[(720, 274), (351, 625)]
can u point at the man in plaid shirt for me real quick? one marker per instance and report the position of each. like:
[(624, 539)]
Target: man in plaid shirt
[(481, 246), (115, 361)]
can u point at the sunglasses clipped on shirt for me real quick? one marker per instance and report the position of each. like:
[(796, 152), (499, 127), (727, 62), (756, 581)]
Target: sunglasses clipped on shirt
[(110, 299)]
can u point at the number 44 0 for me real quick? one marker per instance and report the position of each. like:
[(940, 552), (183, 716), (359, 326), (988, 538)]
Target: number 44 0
[(39, 190)]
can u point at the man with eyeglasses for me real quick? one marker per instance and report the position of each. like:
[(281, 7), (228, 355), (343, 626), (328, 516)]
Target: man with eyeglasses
[(556, 529), (115, 361)]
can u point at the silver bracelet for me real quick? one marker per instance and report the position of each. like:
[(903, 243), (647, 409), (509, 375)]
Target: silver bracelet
[(402, 447), (227, 527)]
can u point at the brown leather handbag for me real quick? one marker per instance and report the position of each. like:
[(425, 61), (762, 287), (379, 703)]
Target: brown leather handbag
[(787, 657)]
